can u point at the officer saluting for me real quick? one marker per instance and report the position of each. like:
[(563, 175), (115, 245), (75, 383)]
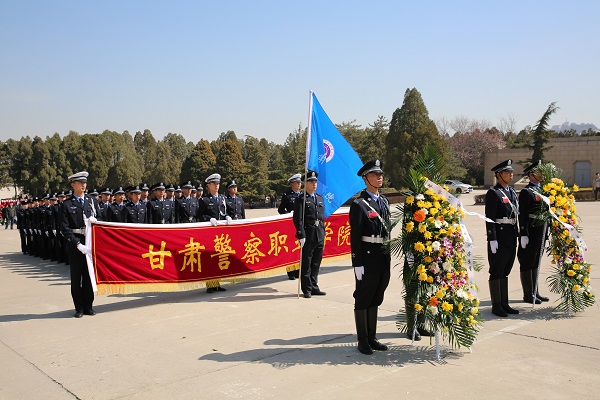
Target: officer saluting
[(234, 202), (533, 234), (502, 207), (369, 224), (308, 218), (74, 211)]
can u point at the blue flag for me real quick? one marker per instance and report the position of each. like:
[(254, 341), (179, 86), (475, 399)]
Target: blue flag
[(334, 159)]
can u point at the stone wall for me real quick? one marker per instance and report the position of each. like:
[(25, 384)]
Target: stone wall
[(565, 154)]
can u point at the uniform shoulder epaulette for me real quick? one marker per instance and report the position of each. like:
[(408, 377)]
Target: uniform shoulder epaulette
[(357, 200)]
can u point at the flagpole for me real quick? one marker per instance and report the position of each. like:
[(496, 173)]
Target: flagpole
[(308, 137)]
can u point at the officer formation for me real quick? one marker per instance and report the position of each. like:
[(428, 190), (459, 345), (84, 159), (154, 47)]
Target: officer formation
[(53, 228)]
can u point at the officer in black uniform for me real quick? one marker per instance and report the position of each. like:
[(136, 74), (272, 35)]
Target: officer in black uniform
[(104, 202), (533, 234), (52, 227), (187, 208), (170, 192), (116, 210), (21, 224), (502, 207), (74, 210), (286, 205), (308, 219), (160, 211), (145, 191), (234, 202), (369, 229), (135, 209), (60, 243)]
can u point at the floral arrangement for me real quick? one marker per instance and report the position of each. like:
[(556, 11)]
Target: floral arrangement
[(435, 275), (571, 277)]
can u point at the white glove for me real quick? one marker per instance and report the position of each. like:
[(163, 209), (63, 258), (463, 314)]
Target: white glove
[(83, 249), (494, 246), (213, 222), (228, 219), (359, 272), (302, 241), (54, 232), (524, 241), (92, 219)]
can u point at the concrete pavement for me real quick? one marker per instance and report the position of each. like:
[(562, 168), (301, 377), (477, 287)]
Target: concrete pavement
[(258, 341)]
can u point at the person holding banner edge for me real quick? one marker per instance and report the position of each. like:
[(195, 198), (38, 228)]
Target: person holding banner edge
[(369, 224), (533, 235), (501, 207)]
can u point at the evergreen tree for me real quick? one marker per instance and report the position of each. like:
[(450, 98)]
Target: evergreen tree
[(58, 162), (541, 135), (199, 164), (252, 184), (41, 171), (411, 130), (230, 163)]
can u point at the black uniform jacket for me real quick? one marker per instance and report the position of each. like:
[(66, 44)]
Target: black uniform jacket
[(160, 212), (135, 214), (530, 203), (313, 212), (235, 207), (188, 210), (71, 217), (213, 207), (286, 205), (500, 203), (366, 217)]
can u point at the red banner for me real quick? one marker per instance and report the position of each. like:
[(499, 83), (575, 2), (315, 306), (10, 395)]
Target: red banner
[(134, 258)]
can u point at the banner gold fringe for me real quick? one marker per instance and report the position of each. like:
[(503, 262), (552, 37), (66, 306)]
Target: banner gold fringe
[(130, 288)]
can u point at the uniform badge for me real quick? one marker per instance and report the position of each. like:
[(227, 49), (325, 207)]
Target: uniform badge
[(372, 214), (505, 200)]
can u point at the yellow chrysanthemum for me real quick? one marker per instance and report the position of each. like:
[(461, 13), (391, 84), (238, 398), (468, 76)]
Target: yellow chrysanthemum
[(422, 228), (447, 306), (429, 192), (571, 272), (585, 280), (409, 226), (575, 267), (449, 275), (439, 294), (430, 279), (418, 307), (460, 306), (428, 259), (474, 310), (427, 235), (576, 288), (419, 247), (422, 276), (575, 188), (433, 211)]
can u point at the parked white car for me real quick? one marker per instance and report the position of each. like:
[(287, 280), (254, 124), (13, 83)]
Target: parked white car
[(458, 187)]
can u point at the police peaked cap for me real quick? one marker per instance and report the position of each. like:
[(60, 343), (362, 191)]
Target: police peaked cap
[(186, 185), (135, 189), (311, 175), (144, 186), (503, 166), (370, 166), (213, 178), (170, 188), (178, 189), (231, 184), (119, 190), (295, 178), (79, 177), (532, 168), (106, 191), (94, 192), (158, 186)]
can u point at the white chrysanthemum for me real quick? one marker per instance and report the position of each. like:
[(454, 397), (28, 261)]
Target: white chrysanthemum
[(426, 211), (462, 294), (420, 196), (447, 265), (438, 223), (436, 245), (435, 268), (433, 310)]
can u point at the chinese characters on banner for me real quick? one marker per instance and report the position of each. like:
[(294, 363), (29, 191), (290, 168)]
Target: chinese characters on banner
[(131, 258)]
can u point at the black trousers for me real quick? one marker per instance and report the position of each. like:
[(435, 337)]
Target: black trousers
[(529, 257), (81, 285), (502, 261), (370, 290), (312, 254)]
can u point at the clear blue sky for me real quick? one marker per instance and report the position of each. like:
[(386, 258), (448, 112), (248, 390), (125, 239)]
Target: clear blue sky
[(201, 68)]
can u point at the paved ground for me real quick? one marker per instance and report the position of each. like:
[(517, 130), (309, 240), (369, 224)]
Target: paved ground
[(258, 341)]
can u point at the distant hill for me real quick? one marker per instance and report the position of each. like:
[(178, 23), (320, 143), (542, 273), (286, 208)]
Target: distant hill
[(567, 126)]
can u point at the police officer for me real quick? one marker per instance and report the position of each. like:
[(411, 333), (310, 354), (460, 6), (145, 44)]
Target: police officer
[(116, 210), (145, 191), (170, 194), (308, 219), (502, 207), (234, 202), (73, 213), (533, 234), (104, 202), (369, 229), (187, 208), (160, 211), (286, 205), (214, 208), (21, 224), (135, 209)]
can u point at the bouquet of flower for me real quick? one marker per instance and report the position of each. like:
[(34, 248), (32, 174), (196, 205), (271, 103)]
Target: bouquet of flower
[(571, 277), (435, 274)]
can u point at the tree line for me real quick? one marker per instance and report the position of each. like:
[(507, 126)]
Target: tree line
[(260, 167)]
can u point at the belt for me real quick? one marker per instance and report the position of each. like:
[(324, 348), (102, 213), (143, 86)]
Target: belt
[(80, 231), (373, 239), (535, 216), (510, 221), (315, 223)]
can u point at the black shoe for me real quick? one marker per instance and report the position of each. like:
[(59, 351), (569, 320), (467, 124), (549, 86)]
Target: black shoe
[(78, 314), (211, 290), (424, 332), (307, 295), (377, 345), (221, 289), (291, 278), (417, 335), (318, 293), (90, 312), (498, 310), (542, 298), (509, 310), (364, 346), (529, 299)]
